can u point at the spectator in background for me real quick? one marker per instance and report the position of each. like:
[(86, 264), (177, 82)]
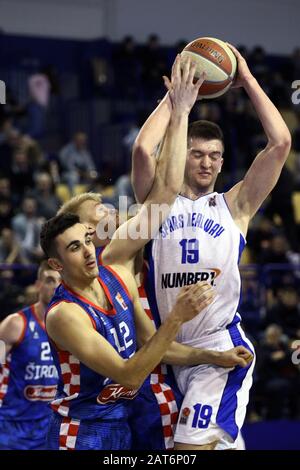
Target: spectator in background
[(127, 69), (296, 148), (5, 188), (286, 313), (10, 293), (6, 212), (21, 174), (76, 162), (10, 249), (10, 142), (154, 66), (260, 237), (47, 201), (39, 91), (26, 226), (278, 253), (278, 377), (280, 203)]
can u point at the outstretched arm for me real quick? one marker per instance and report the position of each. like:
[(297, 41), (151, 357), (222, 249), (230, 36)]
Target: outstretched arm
[(246, 197), (145, 149), (71, 329), (134, 234), (181, 354)]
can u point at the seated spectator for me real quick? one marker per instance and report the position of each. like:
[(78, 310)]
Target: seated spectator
[(47, 201), (278, 252), (127, 69), (9, 293), (286, 313), (6, 212), (154, 66), (280, 203), (27, 226), (259, 237), (76, 162), (5, 190), (278, 377), (10, 249), (21, 174)]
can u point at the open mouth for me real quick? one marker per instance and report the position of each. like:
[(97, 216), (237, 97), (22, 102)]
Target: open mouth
[(91, 264)]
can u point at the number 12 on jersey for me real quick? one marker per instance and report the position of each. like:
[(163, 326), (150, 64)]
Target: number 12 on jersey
[(190, 251)]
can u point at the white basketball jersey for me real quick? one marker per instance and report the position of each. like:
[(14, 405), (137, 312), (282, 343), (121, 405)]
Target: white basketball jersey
[(198, 242)]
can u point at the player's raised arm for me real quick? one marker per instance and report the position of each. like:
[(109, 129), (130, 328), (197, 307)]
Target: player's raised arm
[(145, 149), (246, 197), (146, 158), (133, 235)]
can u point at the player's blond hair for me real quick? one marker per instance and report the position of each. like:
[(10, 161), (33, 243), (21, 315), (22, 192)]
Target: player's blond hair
[(44, 266), (73, 205)]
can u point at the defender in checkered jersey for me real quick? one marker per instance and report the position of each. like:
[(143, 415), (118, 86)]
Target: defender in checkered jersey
[(154, 411), (28, 378)]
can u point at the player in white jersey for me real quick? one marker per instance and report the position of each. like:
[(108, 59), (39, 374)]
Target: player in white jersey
[(203, 238)]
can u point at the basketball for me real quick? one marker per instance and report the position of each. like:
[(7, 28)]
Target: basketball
[(218, 61)]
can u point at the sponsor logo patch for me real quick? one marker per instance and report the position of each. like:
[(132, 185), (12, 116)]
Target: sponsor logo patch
[(40, 392), (113, 392)]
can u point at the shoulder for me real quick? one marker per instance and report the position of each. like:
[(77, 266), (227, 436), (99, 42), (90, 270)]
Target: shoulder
[(126, 276), (12, 328), (63, 313)]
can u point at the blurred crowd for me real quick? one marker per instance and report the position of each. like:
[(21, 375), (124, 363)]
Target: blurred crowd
[(37, 175)]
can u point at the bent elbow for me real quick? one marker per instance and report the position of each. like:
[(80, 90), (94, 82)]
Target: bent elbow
[(286, 141), (283, 146), (131, 383), (139, 150)]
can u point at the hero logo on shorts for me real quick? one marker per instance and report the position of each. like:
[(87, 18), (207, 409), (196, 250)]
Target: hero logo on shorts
[(113, 392), (40, 392)]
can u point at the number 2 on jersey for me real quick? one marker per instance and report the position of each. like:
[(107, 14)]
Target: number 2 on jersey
[(190, 251)]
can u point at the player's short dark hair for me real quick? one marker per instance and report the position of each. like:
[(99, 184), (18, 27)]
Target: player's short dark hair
[(205, 130), (54, 227)]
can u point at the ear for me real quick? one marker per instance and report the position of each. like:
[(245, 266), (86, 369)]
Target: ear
[(55, 264), (222, 161)]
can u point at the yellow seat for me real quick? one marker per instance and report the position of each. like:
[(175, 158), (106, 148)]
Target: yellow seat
[(291, 161), (80, 188), (246, 257), (290, 118), (108, 191), (62, 192), (296, 204)]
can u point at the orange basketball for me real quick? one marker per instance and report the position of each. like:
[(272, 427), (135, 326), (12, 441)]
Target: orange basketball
[(218, 61)]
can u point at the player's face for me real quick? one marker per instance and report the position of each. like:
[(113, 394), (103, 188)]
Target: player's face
[(92, 213), (77, 253), (47, 284), (204, 162)]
